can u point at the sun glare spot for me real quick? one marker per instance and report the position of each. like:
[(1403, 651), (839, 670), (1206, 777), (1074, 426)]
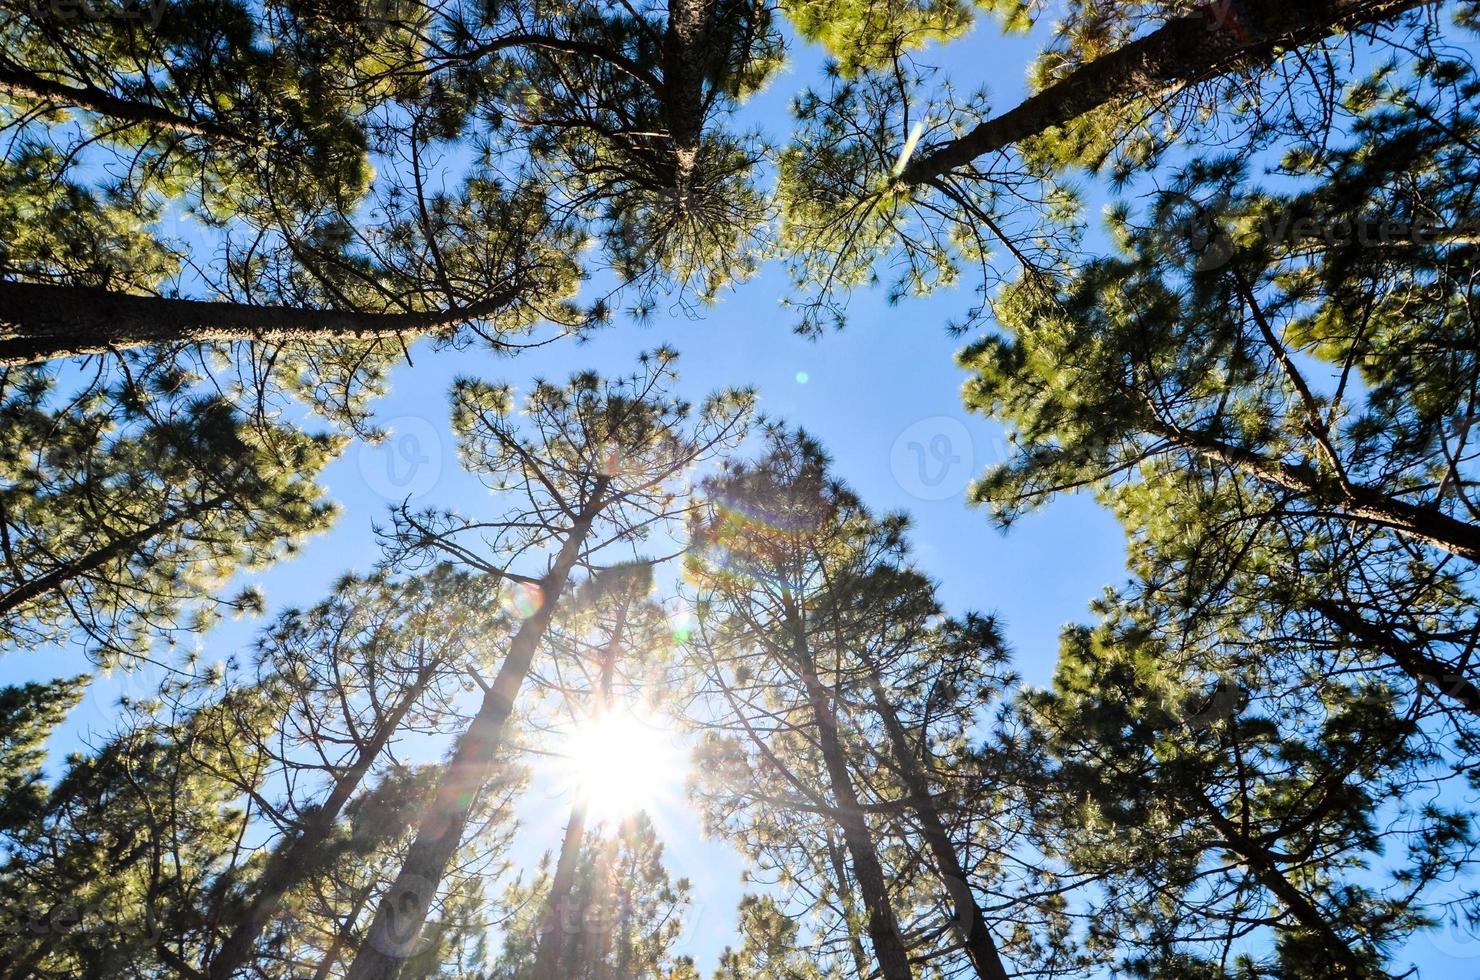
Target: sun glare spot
[(522, 600), (620, 764)]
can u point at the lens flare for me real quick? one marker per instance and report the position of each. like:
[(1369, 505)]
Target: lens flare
[(680, 620), (522, 600)]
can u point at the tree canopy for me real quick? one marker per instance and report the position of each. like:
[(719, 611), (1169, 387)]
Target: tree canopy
[(642, 612)]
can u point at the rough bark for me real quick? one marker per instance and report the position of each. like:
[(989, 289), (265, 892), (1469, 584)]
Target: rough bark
[(1221, 36), (40, 321), (403, 908), (971, 924), (868, 871), (293, 859), (685, 59)]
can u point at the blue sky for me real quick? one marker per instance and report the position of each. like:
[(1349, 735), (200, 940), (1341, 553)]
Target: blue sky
[(883, 396)]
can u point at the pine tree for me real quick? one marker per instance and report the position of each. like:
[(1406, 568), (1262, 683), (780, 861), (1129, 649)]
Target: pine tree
[(814, 642), (28, 714), (764, 548), (1212, 808), (326, 917), (897, 172), (1101, 81), (924, 681), (1274, 403), (620, 915), (606, 649), (115, 875), (367, 668), (770, 947), (128, 507), (597, 469), (583, 114)]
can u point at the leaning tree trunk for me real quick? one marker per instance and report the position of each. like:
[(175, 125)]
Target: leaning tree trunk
[(868, 871), (403, 908), (100, 101), (971, 924), (1354, 501), (293, 860), (120, 547), (1344, 963), (40, 321), (1430, 672), (1221, 36)]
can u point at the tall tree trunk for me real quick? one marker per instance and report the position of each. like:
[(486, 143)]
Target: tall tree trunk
[(553, 937), (293, 859), (403, 908), (685, 60), (868, 871), (971, 924), (40, 321), (1221, 36), (845, 895), (119, 547)]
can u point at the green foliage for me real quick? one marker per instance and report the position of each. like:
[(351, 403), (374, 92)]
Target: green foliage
[(849, 220), (1254, 764), (629, 126), (126, 508), (28, 714), (59, 229), (840, 708), (622, 917), (1273, 401), (120, 869), (864, 34), (771, 947), (1202, 803)]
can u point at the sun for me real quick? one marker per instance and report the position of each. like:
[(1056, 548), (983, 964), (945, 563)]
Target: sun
[(619, 764)]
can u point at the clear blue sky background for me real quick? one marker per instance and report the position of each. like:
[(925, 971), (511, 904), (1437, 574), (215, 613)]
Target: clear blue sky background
[(883, 396)]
